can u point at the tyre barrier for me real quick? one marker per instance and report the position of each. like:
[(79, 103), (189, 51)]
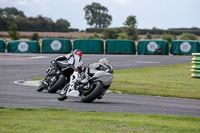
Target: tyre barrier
[(195, 69), (89, 46), (153, 47), (56, 45), (120, 47), (184, 47), (23, 47), (2, 46), (98, 46)]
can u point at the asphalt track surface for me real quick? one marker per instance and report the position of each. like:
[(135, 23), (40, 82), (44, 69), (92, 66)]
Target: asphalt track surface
[(15, 67)]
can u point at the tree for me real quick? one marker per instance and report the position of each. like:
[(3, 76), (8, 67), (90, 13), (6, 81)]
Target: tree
[(97, 15), (11, 12), (12, 15), (62, 25), (41, 23), (130, 27), (14, 35), (23, 23), (130, 22), (8, 16)]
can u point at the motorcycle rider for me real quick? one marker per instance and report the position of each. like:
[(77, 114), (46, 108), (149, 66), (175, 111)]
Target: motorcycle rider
[(73, 60), (103, 65)]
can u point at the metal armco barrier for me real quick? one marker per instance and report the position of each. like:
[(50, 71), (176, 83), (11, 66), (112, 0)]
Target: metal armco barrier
[(195, 69)]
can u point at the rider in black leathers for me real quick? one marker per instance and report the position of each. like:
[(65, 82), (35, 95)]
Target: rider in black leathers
[(73, 60)]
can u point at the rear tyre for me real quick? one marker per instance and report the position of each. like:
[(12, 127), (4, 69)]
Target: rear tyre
[(57, 85), (95, 92), (62, 96), (105, 88)]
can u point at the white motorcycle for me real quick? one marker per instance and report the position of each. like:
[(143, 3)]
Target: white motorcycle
[(87, 86)]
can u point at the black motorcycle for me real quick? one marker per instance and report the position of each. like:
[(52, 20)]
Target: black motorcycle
[(56, 78)]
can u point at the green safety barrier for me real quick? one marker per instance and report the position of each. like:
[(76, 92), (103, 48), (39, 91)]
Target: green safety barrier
[(195, 69), (184, 47), (153, 47), (2, 46), (56, 45), (120, 47), (23, 47), (93, 46)]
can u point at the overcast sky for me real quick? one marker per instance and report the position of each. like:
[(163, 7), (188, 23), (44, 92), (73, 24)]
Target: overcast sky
[(162, 14)]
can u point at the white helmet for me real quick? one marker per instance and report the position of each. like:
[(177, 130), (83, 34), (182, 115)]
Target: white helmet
[(104, 61)]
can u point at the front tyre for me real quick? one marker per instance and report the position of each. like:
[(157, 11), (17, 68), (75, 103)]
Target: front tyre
[(57, 85), (62, 96), (95, 91)]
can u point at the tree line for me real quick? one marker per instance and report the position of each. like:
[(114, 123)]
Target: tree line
[(95, 14), (11, 15)]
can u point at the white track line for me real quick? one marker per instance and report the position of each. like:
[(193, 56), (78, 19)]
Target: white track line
[(146, 62), (27, 83)]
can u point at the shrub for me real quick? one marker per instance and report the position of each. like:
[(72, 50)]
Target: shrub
[(110, 34), (96, 36), (168, 37), (148, 36), (34, 37), (188, 36), (123, 36)]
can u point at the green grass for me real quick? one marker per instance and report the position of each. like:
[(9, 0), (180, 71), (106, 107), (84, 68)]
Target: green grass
[(169, 80), (39, 78), (21, 120)]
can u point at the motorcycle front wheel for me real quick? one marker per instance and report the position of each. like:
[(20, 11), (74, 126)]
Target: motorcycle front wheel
[(62, 96), (93, 93), (57, 85)]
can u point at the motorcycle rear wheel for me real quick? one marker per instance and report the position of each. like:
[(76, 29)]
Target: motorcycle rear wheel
[(96, 91)]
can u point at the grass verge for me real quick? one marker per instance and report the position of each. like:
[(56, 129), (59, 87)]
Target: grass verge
[(21, 120), (169, 80)]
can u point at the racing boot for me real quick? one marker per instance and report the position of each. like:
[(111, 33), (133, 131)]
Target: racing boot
[(43, 85)]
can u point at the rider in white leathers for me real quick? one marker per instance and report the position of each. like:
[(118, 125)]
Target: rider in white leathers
[(103, 65)]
